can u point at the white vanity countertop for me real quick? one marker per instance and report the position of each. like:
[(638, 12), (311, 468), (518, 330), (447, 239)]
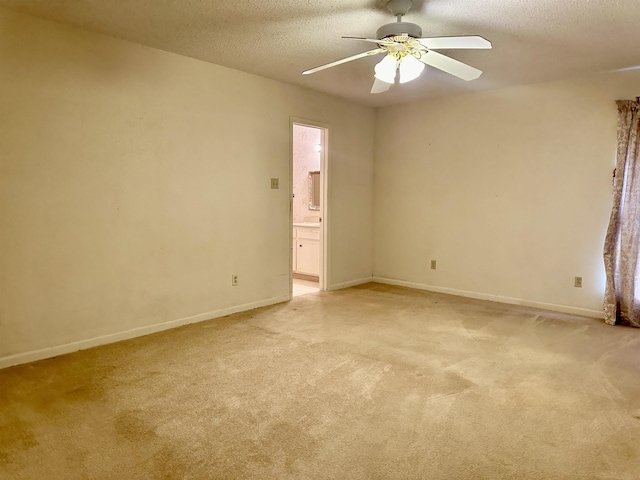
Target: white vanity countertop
[(307, 224)]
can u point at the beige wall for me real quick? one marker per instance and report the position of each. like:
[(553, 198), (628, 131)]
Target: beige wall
[(129, 180), (129, 185), (509, 190)]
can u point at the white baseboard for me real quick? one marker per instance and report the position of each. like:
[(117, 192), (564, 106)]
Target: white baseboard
[(493, 298), (351, 283), (49, 352)]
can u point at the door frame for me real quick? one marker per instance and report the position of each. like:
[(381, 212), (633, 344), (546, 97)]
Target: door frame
[(324, 196)]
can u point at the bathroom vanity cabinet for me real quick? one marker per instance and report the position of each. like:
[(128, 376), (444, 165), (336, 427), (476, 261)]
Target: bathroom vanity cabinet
[(306, 251)]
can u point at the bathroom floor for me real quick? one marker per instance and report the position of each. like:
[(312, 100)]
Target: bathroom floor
[(304, 287)]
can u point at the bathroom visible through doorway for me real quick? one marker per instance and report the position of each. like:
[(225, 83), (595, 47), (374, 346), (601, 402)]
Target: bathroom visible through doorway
[(308, 147)]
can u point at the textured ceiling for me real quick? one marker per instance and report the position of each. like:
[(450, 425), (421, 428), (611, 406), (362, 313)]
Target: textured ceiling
[(533, 40)]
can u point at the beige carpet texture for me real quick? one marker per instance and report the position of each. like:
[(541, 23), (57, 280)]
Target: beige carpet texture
[(370, 382)]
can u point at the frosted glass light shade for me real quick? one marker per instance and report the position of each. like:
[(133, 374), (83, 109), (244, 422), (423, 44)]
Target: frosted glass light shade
[(386, 69), (410, 68)]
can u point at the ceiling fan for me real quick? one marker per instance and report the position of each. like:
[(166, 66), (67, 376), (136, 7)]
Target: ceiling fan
[(408, 52)]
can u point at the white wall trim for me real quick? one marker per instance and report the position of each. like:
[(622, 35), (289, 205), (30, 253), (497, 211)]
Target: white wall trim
[(493, 298), (49, 352), (35, 355), (351, 283)]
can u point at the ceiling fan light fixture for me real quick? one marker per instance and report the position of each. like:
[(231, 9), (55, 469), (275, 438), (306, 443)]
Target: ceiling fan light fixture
[(410, 68), (386, 69), (408, 51)]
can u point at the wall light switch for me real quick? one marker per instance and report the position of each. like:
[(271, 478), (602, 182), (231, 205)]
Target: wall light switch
[(275, 183)]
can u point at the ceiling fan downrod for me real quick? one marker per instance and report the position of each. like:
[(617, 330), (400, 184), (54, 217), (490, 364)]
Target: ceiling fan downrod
[(399, 8)]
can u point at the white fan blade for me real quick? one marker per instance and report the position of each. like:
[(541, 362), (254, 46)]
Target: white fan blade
[(373, 40), (449, 65), (443, 43), (379, 86), (344, 60)]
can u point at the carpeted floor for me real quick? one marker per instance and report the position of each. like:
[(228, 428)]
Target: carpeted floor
[(371, 382)]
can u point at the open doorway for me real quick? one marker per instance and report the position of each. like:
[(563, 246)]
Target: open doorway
[(308, 207)]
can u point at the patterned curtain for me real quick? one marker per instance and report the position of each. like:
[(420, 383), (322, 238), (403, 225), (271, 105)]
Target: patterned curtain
[(622, 244)]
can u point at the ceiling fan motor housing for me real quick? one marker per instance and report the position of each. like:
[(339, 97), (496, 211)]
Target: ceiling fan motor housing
[(399, 29)]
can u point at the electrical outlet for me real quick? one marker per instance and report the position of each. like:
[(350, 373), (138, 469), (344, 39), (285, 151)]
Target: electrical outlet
[(433, 264), (234, 280), (577, 282), (275, 183)]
